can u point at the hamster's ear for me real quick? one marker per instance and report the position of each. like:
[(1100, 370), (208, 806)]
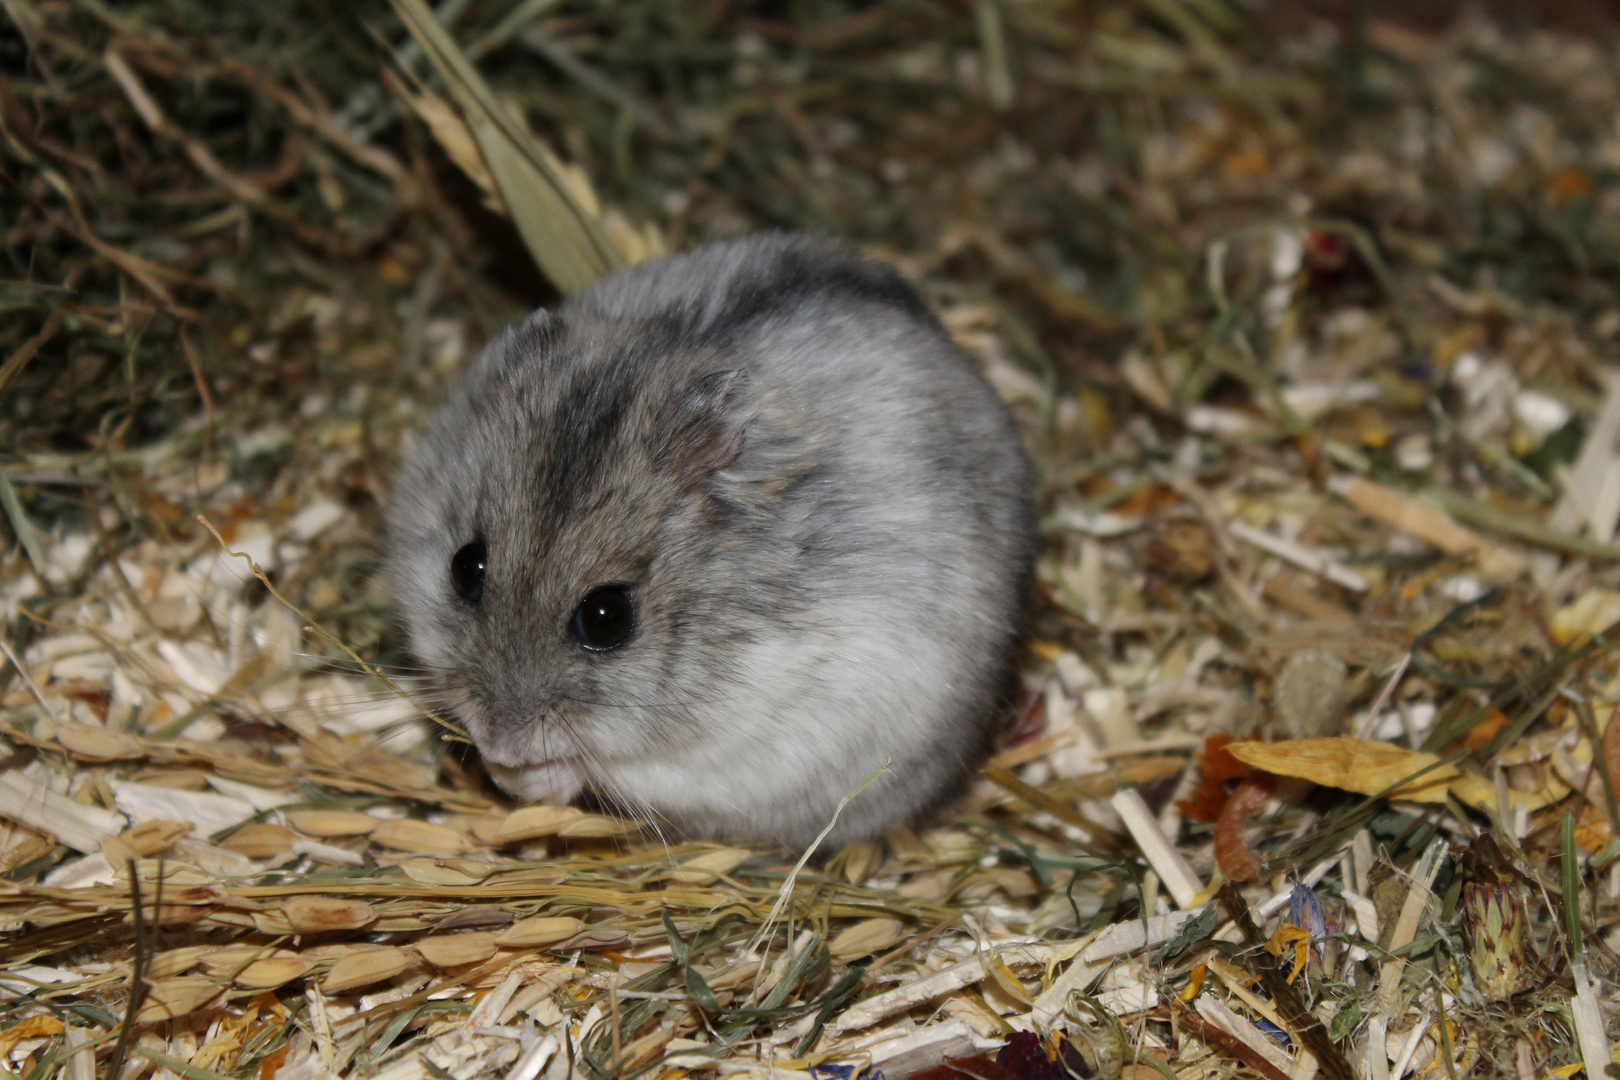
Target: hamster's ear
[(514, 346), (706, 424)]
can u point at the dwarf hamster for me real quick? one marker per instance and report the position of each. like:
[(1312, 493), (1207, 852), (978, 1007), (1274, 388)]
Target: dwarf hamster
[(716, 539)]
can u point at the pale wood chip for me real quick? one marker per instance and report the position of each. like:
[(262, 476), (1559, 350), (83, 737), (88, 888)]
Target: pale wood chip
[(936, 984), (1218, 1013), (29, 802), (1161, 854)]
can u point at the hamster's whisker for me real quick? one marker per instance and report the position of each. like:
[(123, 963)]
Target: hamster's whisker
[(570, 698), (343, 663), (638, 809)]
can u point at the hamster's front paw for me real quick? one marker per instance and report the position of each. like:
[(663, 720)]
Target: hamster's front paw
[(553, 782)]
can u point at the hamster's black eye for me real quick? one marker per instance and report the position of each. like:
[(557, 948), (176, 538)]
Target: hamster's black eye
[(604, 618), (467, 571)]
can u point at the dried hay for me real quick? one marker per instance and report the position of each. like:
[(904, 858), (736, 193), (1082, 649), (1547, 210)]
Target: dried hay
[(1311, 328)]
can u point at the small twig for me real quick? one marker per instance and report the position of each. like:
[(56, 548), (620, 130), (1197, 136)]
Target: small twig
[(137, 976), (1369, 719), (202, 386), (22, 673)]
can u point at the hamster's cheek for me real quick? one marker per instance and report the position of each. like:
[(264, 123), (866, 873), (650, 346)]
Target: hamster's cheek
[(551, 781)]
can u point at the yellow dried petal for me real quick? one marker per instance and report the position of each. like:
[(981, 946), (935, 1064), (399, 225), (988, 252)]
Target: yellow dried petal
[(867, 936), (365, 968), (455, 950), (313, 914), (998, 970), (441, 871), (327, 823), (1480, 793), (423, 836), (1365, 766), (31, 1027), (1591, 613), (531, 822), (541, 930)]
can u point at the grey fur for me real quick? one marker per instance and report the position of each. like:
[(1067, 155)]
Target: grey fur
[(822, 511)]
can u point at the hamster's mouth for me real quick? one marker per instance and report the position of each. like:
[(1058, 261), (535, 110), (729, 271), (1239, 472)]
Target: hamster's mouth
[(555, 780)]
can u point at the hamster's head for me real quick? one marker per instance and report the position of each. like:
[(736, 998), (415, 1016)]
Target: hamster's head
[(563, 553)]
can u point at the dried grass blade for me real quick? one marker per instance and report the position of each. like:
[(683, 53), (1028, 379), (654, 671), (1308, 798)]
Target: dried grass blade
[(565, 238)]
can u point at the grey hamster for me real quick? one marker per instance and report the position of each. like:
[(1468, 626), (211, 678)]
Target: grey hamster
[(717, 538)]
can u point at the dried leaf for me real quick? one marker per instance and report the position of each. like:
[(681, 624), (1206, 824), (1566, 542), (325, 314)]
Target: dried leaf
[(1233, 855), (565, 238), (1365, 766), (30, 1027)]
